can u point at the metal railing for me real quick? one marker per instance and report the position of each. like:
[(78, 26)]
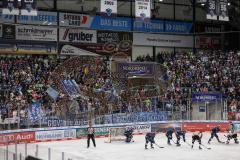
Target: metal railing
[(22, 151)]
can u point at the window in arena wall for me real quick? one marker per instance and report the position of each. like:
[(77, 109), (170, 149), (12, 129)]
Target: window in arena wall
[(141, 51)]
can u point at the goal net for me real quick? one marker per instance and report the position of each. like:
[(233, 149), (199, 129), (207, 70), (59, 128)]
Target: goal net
[(116, 134)]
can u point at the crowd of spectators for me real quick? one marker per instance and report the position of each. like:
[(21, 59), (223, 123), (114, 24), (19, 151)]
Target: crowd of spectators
[(25, 80), (205, 71)]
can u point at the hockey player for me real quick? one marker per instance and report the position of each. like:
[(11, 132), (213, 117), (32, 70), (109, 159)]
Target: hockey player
[(150, 138), (197, 136), (169, 133), (179, 134), (129, 135), (214, 132), (232, 134)]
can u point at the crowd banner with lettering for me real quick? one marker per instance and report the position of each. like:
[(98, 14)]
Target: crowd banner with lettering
[(36, 33), (143, 9), (6, 18), (136, 117), (211, 9), (206, 97), (52, 93), (75, 20), (10, 7), (71, 87), (23, 48), (223, 10), (34, 112), (109, 7), (147, 39), (1, 29), (76, 35), (8, 31), (28, 7), (111, 36), (134, 68), (42, 18)]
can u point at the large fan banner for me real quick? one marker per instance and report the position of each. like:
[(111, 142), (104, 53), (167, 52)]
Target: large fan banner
[(143, 9), (211, 10), (10, 7), (223, 10), (109, 7), (28, 7)]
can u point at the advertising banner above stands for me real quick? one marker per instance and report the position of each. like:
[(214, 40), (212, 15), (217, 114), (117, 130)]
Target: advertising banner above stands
[(75, 20), (71, 50), (161, 40), (100, 49), (206, 97), (6, 18), (8, 31), (76, 35), (136, 69), (178, 27), (149, 26), (111, 23), (208, 42), (111, 36), (6, 48), (36, 33), (109, 7), (1, 31), (42, 18), (122, 24)]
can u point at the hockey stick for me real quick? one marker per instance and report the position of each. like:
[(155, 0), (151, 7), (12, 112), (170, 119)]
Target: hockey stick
[(205, 146), (173, 141), (158, 145)]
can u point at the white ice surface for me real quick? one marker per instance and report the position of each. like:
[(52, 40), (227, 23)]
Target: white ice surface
[(77, 150)]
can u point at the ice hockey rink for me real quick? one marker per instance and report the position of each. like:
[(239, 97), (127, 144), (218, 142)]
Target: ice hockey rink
[(77, 150)]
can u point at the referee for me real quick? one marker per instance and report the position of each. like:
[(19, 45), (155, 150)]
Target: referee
[(90, 135)]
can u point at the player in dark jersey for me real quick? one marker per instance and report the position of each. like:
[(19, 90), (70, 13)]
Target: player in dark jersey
[(150, 138), (179, 134), (129, 135), (197, 136), (232, 134), (169, 133), (214, 132)]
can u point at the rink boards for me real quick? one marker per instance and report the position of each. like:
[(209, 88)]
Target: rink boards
[(71, 133)]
